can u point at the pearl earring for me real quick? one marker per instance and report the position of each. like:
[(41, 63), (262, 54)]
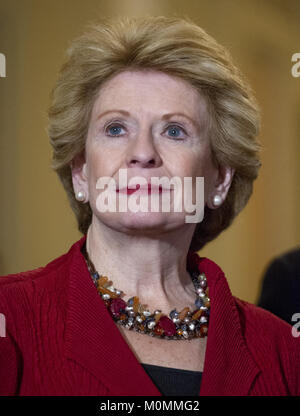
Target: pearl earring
[(217, 200), (80, 196)]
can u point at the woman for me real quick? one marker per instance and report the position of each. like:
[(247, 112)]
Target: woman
[(131, 308)]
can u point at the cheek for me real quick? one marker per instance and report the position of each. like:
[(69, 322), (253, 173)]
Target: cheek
[(194, 166), (100, 164), (94, 170), (202, 166), (97, 164), (204, 162)]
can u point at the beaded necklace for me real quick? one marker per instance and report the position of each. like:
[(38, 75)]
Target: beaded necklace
[(133, 315)]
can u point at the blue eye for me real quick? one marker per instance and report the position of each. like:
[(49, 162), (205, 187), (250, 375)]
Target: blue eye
[(114, 130), (175, 131)]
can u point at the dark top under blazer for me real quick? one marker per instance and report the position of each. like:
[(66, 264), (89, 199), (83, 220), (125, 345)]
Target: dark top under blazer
[(61, 340)]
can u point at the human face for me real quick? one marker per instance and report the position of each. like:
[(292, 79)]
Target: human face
[(153, 125)]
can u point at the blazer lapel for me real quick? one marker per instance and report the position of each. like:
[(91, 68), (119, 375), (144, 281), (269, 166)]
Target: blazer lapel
[(93, 339), (229, 368)]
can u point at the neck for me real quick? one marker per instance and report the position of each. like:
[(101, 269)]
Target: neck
[(151, 267)]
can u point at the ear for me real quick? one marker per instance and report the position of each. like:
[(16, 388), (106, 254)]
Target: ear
[(79, 176), (221, 186)]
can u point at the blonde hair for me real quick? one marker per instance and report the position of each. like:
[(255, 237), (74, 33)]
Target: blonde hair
[(175, 46)]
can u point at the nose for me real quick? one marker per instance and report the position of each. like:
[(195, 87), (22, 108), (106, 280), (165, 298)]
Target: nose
[(143, 153)]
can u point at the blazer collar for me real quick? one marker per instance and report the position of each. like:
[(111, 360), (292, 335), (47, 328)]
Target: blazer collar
[(229, 368), (96, 343)]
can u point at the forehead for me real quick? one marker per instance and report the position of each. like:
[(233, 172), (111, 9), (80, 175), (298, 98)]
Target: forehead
[(150, 89)]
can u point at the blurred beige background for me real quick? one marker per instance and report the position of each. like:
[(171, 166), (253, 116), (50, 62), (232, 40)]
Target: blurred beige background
[(37, 224)]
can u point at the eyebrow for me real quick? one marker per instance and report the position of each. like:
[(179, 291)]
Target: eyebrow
[(169, 115), (164, 117), (125, 113)]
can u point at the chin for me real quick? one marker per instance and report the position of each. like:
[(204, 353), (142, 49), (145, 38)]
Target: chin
[(142, 221)]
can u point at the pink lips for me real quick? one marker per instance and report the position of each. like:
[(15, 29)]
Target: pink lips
[(146, 189)]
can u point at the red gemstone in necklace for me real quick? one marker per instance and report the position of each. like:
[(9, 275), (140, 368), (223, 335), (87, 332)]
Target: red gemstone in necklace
[(116, 306), (167, 325)]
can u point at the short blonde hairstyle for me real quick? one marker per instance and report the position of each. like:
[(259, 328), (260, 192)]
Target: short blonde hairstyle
[(175, 46)]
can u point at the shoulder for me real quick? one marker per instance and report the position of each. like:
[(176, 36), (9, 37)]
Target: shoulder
[(23, 294), (33, 304), (248, 329), (32, 277), (280, 285), (286, 263), (256, 319), (272, 343), (42, 275), (290, 258)]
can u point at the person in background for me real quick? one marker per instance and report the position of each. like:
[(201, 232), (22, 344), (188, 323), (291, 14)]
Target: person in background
[(280, 289)]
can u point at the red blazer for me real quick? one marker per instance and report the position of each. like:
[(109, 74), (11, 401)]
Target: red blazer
[(61, 340)]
